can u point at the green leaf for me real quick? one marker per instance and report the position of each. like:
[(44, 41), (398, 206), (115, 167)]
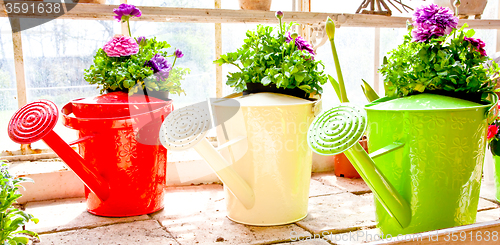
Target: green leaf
[(305, 87), (336, 87), (370, 94), (21, 239), (128, 83), (470, 33), (299, 77), (266, 81)]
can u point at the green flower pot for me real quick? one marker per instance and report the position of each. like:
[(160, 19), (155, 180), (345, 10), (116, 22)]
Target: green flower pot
[(438, 170)]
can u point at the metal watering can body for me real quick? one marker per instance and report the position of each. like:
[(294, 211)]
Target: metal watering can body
[(438, 170), (262, 159), (426, 160), (121, 161), (274, 160)]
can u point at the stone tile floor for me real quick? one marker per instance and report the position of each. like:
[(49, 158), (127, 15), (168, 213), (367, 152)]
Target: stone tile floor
[(196, 215)]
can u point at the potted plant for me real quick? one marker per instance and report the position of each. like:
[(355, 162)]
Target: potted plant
[(275, 60), (442, 60), (126, 120), (136, 64), (439, 100), (267, 127), (11, 218)]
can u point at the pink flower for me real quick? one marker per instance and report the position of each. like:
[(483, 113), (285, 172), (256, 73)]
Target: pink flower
[(432, 21), (121, 46), (178, 53), (477, 44), (492, 131)]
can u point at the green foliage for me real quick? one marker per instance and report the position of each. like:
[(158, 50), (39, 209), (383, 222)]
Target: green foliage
[(369, 92), (267, 58), (129, 73), (11, 218), (336, 87), (447, 63)]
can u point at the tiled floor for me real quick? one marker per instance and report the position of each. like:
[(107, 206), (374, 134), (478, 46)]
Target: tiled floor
[(196, 215)]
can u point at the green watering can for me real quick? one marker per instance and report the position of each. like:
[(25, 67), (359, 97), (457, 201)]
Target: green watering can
[(426, 161)]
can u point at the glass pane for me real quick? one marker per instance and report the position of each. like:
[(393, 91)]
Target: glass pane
[(56, 55), (8, 92), (355, 65), (390, 38), (197, 42), (341, 6), (232, 39), (355, 50)]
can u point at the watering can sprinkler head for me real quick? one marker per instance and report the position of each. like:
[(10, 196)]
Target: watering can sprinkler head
[(36, 121), (339, 130), (186, 128)]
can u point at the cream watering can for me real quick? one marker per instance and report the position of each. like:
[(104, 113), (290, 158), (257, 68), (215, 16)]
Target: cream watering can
[(262, 159)]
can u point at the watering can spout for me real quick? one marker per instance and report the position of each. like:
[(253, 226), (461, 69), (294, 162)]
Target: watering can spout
[(89, 177), (388, 196), (35, 121), (227, 174), (186, 128)]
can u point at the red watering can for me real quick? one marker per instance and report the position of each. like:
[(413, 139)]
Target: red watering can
[(121, 161)]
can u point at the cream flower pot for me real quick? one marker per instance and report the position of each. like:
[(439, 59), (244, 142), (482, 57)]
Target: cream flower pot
[(255, 4), (93, 1), (467, 7)]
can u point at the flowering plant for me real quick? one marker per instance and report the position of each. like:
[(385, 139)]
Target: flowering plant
[(493, 137), (133, 64), (275, 56), (437, 57), (12, 219)]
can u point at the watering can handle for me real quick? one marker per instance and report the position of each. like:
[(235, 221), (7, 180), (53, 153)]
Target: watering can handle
[(231, 142), (492, 113), (317, 106)]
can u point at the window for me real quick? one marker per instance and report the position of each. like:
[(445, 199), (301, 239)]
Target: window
[(8, 92), (57, 53)]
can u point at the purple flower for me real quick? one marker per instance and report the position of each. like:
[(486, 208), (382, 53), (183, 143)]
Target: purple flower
[(141, 40), (477, 44), (425, 32), (279, 14), (300, 43), (125, 11), (432, 21), (160, 66), (178, 53)]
